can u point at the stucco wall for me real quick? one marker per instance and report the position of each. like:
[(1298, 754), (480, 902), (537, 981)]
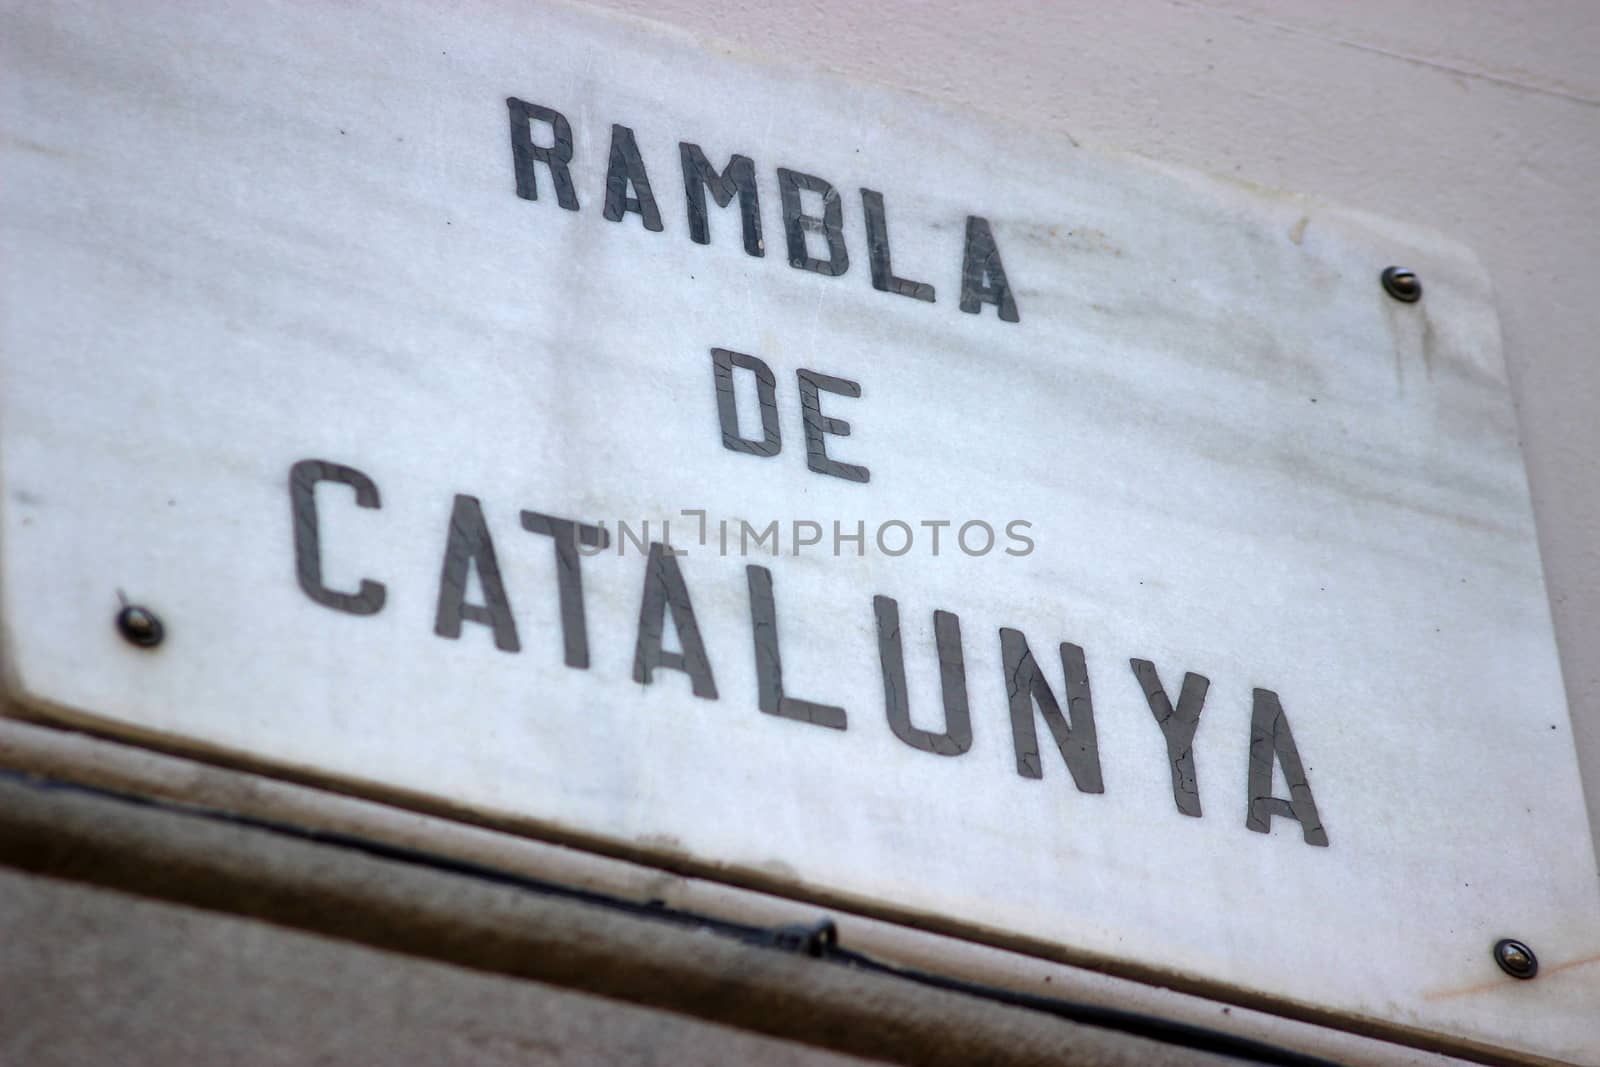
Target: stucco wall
[(1480, 121)]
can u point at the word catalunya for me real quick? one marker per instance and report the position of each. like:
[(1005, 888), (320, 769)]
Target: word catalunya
[(470, 553), (813, 211)]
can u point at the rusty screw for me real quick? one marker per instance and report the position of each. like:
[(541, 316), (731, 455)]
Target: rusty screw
[(1402, 284), (140, 626), (1515, 958)]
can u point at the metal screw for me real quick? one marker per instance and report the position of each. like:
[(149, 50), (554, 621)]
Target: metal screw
[(1515, 958), (140, 626), (1402, 284)]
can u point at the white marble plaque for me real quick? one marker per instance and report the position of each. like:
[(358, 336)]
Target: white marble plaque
[(322, 326)]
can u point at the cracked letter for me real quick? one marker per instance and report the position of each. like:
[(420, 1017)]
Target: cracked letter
[(769, 663), (567, 536), (470, 547), (664, 591), (1026, 687), (1177, 728), (957, 735), (1270, 739)]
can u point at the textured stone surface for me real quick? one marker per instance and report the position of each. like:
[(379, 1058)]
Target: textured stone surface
[(1482, 120)]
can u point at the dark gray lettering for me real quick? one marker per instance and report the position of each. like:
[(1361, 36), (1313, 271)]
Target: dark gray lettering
[(957, 735), (722, 363), (567, 534), (739, 176), (1270, 739), (625, 169), (303, 479), (883, 276), (983, 277), (770, 696), (1026, 687), (665, 591), (818, 425), (1177, 728), (470, 546), (797, 224), (525, 155)]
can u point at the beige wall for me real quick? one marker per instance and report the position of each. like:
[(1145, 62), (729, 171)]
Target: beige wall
[(1481, 121)]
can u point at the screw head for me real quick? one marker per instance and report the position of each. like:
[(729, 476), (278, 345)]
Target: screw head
[(1402, 284), (1515, 958), (140, 626)]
